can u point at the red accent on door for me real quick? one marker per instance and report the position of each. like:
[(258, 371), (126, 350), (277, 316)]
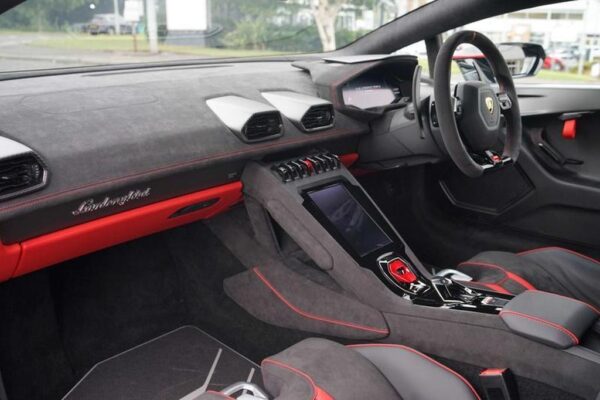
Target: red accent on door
[(108, 231), (9, 258), (349, 159), (569, 129), (401, 272)]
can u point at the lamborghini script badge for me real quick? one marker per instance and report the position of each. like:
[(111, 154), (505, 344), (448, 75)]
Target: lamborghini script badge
[(91, 205), (489, 103)]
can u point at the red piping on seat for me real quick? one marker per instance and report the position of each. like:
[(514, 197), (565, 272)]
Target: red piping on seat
[(561, 328), (524, 253), (317, 392), (509, 274), (410, 349), (594, 309), (313, 316)]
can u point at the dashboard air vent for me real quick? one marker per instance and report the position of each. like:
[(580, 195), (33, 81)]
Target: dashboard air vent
[(263, 125), (252, 121), (308, 113), (20, 174), (21, 171), (318, 117)]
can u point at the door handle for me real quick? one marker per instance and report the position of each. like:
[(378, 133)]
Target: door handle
[(550, 151)]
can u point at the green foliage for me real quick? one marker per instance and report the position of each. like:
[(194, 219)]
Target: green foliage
[(40, 14), (248, 34), (344, 37)]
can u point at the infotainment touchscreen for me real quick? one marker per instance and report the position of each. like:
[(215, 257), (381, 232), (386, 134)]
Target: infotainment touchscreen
[(349, 218)]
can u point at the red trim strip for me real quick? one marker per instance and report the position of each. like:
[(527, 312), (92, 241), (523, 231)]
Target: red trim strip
[(9, 259), (308, 315), (561, 328), (349, 159), (524, 253), (108, 231), (317, 392), (219, 394), (509, 274), (410, 349), (492, 372)]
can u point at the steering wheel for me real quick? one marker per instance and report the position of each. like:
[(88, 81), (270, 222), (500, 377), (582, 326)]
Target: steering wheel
[(470, 118)]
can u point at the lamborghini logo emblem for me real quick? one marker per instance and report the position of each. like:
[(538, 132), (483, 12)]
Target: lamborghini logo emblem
[(489, 103)]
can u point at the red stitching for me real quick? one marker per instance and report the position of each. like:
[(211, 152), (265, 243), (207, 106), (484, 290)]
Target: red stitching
[(561, 328), (255, 148), (313, 316), (507, 273), (523, 253), (410, 349), (302, 374), (594, 309)]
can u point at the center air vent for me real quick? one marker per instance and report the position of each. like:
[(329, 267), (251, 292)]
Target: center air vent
[(308, 113), (263, 125), (318, 117), (250, 120), (21, 171)]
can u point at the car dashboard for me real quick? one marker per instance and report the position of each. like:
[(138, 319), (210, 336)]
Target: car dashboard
[(116, 141)]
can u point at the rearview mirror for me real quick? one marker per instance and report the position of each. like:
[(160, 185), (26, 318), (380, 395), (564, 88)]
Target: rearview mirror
[(522, 59)]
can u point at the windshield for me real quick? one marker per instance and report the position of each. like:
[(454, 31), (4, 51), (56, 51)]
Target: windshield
[(41, 34)]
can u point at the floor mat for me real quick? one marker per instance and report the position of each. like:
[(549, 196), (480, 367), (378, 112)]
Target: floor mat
[(170, 367)]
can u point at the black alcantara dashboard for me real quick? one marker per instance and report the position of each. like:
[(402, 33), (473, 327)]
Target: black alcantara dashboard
[(150, 132)]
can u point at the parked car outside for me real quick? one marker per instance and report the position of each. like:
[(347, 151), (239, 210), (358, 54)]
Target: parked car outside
[(105, 24)]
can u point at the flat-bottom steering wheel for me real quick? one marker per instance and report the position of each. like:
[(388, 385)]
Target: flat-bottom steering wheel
[(470, 118)]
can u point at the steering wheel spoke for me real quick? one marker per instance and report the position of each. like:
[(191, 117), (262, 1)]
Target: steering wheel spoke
[(504, 101), (456, 106)]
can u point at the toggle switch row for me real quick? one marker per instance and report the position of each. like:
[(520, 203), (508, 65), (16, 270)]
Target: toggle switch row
[(306, 166)]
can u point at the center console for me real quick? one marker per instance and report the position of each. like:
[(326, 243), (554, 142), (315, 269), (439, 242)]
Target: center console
[(371, 286), (347, 213)]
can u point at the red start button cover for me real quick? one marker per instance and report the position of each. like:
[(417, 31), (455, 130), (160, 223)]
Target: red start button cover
[(401, 272)]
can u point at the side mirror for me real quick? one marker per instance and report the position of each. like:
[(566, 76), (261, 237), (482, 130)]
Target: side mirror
[(523, 59)]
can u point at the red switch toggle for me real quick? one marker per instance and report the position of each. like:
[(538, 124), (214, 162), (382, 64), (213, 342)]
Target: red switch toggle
[(401, 272), (569, 129), (309, 165)]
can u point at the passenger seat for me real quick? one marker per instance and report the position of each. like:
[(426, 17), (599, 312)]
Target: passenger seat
[(318, 369)]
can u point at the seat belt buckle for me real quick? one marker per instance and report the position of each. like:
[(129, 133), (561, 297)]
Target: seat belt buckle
[(498, 384)]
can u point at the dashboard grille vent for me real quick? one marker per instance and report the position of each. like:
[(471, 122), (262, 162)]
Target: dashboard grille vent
[(318, 117), (20, 175), (263, 125)]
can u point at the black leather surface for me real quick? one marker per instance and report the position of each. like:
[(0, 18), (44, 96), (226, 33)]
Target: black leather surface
[(551, 269), (415, 375), (108, 133), (549, 318), (348, 373)]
